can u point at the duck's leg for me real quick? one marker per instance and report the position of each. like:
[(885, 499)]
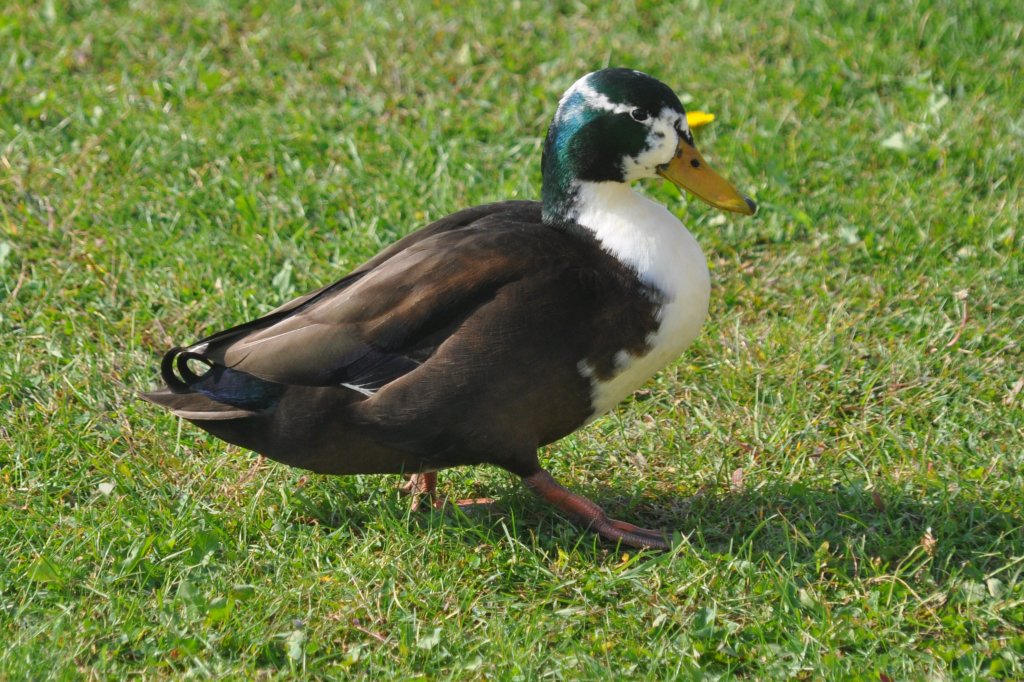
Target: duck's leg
[(425, 484), (592, 516), (420, 485)]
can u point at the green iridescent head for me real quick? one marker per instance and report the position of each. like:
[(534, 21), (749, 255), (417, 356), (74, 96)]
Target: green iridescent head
[(620, 125)]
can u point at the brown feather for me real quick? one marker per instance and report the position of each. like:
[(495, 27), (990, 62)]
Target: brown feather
[(471, 333)]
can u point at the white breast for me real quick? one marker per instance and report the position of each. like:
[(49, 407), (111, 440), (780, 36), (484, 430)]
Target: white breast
[(646, 237)]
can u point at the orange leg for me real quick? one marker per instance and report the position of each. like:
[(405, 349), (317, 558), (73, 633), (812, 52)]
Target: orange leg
[(592, 516), (425, 484), (420, 485)]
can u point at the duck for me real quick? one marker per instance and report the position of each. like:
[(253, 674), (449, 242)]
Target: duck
[(491, 332)]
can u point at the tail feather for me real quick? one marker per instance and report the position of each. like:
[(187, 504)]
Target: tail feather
[(304, 426), (218, 393), (195, 406), (177, 358)]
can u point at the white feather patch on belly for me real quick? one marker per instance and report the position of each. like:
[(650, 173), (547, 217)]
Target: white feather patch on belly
[(646, 237)]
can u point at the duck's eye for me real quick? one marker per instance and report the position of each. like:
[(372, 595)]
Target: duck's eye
[(639, 115)]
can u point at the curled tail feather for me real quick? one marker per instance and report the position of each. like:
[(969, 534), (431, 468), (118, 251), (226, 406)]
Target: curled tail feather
[(216, 394), (177, 358)]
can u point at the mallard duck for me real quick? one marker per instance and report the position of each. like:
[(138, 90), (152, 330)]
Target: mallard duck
[(490, 332)]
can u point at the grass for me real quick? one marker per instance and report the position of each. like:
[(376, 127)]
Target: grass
[(842, 450)]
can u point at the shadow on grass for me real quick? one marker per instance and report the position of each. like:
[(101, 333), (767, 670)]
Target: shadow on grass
[(781, 520), (794, 520)]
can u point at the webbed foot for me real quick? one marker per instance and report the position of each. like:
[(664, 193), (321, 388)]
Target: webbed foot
[(422, 485), (592, 516), (425, 485)]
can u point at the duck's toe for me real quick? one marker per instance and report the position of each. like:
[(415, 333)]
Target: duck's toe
[(592, 516), (634, 536)]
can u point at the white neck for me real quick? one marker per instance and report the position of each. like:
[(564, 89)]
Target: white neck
[(652, 242), (644, 236)]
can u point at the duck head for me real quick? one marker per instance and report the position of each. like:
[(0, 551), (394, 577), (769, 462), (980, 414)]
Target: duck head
[(620, 125)]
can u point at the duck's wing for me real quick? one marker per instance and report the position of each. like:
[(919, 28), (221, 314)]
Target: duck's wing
[(388, 316), (515, 210)]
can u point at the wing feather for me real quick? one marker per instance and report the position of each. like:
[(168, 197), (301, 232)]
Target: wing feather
[(390, 315)]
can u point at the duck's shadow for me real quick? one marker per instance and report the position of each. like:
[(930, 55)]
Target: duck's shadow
[(792, 520), (796, 521)]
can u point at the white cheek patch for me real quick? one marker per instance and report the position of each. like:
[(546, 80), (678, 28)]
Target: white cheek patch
[(680, 120), (662, 141), (662, 129)]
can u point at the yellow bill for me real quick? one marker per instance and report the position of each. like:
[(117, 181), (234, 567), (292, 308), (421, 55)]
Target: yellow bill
[(688, 170)]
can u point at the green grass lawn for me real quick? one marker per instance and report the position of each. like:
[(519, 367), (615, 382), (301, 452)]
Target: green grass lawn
[(842, 450)]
